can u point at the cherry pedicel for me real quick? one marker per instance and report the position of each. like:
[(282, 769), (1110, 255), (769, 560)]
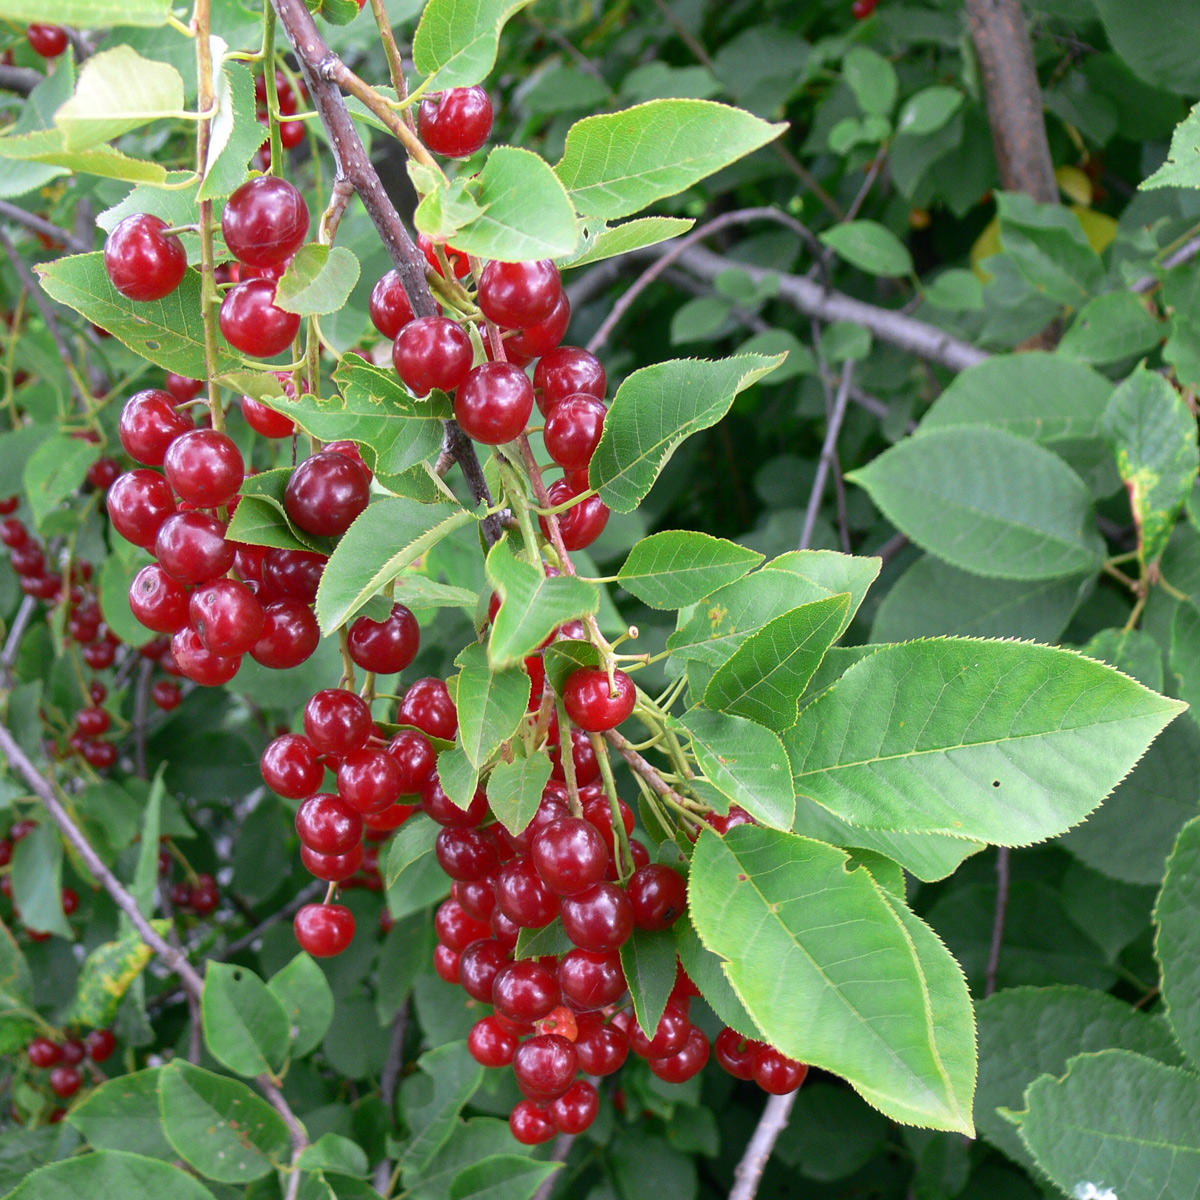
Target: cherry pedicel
[(142, 262), (432, 352), (494, 403), (252, 323), (265, 221), (457, 122), (324, 930)]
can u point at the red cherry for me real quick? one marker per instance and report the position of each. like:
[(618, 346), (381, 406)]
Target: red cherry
[(100, 1044), (531, 1124), (65, 1081), (525, 991), (601, 1049), (428, 707), (777, 1074), (267, 421), (576, 1109), (142, 263), (669, 1037), (390, 306), (44, 1053), (416, 758), (432, 352), (517, 295), (138, 503), (149, 424), (478, 966), (290, 634), (736, 816), (737, 1054), (582, 524), (265, 221), (13, 533), (568, 371), (569, 855), (191, 548), (291, 134), (506, 932), (369, 780), (333, 868), (658, 896), (447, 963), (324, 930), (166, 694), (200, 664), (599, 919), (438, 805), (47, 40), (205, 895), (383, 823), (9, 505), (385, 647), (204, 467), (92, 722), (467, 854), (351, 450), (337, 721), (100, 656), (573, 431), (227, 616), (545, 1066), (295, 574), (454, 928), (490, 1044), (590, 703), (325, 493), (29, 562), (460, 263), (457, 122), (291, 766), (251, 322), (103, 473), (477, 897), (679, 1068), (523, 897), (598, 812), (591, 980), (861, 9), (183, 388), (535, 340), (494, 403)]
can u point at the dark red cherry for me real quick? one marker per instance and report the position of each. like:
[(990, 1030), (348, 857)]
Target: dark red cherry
[(447, 963), (328, 825), (100, 1044), (454, 928), (432, 352), (599, 919), (333, 868), (370, 780), (417, 760), (47, 40), (385, 647), (295, 574), (324, 930), (596, 705), (13, 533), (516, 295), (494, 403), (523, 897), (158, 601), (591, 980), (581, 524), (103, 473), (265, 221), (478, 966), (587, 769), (267, 421), (191, 547), (457, 122), (777, 1074), (573, 431), (200, 664), (291, 766), (143, 263), (490, 1044), (569, 855), (138, 503), (575, 1110), (460, 263), (668, 1038), (252, 323), (439, 806), (325, 493), (535, 340), (688, 1062), (227, 616), (337, 721), (428, 707), (658, 896), (525, 991), (149, 424), (92, 722), (290, 634), (182, 388), (204, 467), (477, 897), (166, 694), (65, 1081), (545, 1066), (531, 1124), (737, 1054), (390, 307), (568, 371), (601, 1049)]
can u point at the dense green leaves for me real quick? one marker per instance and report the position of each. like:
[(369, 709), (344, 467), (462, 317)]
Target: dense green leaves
[(837, 974), (110, 1175), (245, 1025), (676, 568), (988, 502), (1178, 917), (618, 163), (432, 1100), (657, 408), (1000, 741)]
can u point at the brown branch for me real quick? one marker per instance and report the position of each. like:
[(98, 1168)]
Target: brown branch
[(837, 415), (21, 80), (559, 1153), (1014, 97), (748, 1173), (1003, 879), (13, 212), (645, 769)]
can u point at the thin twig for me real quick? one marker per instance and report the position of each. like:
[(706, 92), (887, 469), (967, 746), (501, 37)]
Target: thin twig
[(14, 212), (828, 451), (771, 1124), (1184, 254), (646, 770), (389, 1080), (869, 182), (1003, 880), (21, 80), (309, 892), (13, 645)]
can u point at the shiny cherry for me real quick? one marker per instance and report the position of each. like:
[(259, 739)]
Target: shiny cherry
[(490, 1044), (390, 307), (595, 705), (166, 695), (575, 1110), (688, 1062), (138, 503), (337, 721), (333, 868), (777, 1074), (149, 424), (428, 707), (455, 928), (252, 323), (142, 262), (369, 780), (191, 547), (736, 1054), (204, 467), (601, 1049), (324, 930), (523, 897), (658, 896), (494, 403), (545, 1066), (158, 601), (291, 767), (525, 991), (227, 616), (265, 221), (668, 1038), (591, 980), (568, 371), (531, 1124), (416, 758), (516, 295), (479, 964), (267, 421), (294, 574), (581, 524), (599, 919), (47, 40), (573, 431), (457, 122), (100, 1044), (535, 340), (569, 855), (199, 663), (290, 634), (385, 647), (467, 854), (325, 493), (432, 352), (444, 811)]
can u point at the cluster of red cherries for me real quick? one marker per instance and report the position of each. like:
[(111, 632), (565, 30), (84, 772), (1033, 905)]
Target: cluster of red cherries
[(60, 1062), (291, 133)]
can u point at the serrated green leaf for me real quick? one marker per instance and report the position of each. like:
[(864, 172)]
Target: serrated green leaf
[(1182, 168), (706, 971), (37, 881), (680, 567), (55, 471), (490, 703), (610, 241), (307, 999), (456, 41), (655, 409), (1111, 328), (124, 1114), (514, 790), (412, 842), (245, 1025), (431, 1101), (236, 133), (1005, 742), (1049, 248), (1177, 914), (109, 1175), (649, 963), (319, 279)]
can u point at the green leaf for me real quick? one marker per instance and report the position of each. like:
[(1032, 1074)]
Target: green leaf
[(533, 606), (933, 598), (236, 134), (124, 1114), (90, 13), (655, 409), (745, 762), (648, 960), (618, 163), (108, 973), (307, 1000), (412, 842), (1035, 395), (47, 148), (270, 488), (836, 973), (679, 567), (1157, 40), (1182, 168), (432, 1100), (928, 110), (706, 971), (871, 78), (459, 776), (1118, 1120), (563, 657), (1004, 742), (220, 1126), (116, 576), (955, 290), (766, 676), (166, 332), (55, 471), (1130, 650), (332, 1152), (1177, 914), (869, 246), (1154, 434), (1049, 247), (987, 502), (597, 244), (37, 881), (502, 1177), (514, 790), (1026, 1032), (456, 41), (109, 1175), (118, 90), (526, 211), (261, 523), (1111, 328), (318, 280), (490, 703), (831, 574), (245, 1025), (389, 536)]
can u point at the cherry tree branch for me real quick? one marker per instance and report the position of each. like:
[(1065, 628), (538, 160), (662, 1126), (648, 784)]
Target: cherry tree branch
[(828, 452), (13, 212), (774, 1119), (21, 80)]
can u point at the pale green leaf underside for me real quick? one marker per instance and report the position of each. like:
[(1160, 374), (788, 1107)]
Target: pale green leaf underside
[(1005, 742), (833, 976), (611, 241)]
